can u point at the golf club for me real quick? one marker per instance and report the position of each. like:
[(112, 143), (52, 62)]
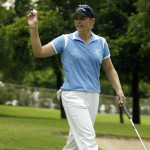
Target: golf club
[(125, 109)]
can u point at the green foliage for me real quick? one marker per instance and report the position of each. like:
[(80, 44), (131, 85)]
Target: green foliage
[(8, 94), (106, 87), (45, 78), (139, 35), (3, 14), (144, 89), (2, 44), (16, 50), (16, 47), (22, 7), (108, 17)]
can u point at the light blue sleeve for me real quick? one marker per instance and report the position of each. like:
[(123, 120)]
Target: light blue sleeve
[(106, 52), (58, 44)]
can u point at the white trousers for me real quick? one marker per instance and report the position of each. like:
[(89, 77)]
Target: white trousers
[(81, 110)]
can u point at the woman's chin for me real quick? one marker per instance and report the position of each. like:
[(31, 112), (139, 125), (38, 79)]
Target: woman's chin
[(79, 30)]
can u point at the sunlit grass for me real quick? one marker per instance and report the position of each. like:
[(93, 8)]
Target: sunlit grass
[(24, 128)]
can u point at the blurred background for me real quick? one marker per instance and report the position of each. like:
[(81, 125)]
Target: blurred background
[(33, 82)]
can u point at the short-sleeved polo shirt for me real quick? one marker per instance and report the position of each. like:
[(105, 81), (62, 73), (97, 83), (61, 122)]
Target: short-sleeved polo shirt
[(81, 62)]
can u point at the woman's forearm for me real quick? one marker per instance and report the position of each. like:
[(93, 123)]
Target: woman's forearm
[(114, 80), (35, 41)]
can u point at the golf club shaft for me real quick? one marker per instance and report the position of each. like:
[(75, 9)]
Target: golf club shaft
[(125, 109), (137, 133)]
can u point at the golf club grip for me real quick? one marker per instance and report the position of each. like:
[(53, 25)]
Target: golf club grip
[(125, 109)]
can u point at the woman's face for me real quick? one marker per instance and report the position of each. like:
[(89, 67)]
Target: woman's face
[(83, 24)]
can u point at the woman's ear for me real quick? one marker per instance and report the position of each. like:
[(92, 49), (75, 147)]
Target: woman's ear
[(93, 21)]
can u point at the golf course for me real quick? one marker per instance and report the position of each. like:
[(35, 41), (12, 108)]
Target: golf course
[(26, 128)]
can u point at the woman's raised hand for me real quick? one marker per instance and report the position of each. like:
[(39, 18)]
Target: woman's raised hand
[(32, 18)]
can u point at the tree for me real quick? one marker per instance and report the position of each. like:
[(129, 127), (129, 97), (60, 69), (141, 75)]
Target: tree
[(7, 17), (15, 50), (16, 46), (22, 7), (112, 17), (133, 49), (128, 66), (139, 34)]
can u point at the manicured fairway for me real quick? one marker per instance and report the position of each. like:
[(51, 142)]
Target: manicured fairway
[(23, 128)]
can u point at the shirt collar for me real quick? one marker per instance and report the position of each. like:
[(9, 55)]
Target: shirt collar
[(77, 37)]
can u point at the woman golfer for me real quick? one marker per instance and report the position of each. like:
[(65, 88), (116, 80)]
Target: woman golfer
[(82, 53)]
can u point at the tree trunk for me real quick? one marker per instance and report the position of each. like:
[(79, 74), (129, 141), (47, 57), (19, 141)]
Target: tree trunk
[(59, 84), (136, 98)]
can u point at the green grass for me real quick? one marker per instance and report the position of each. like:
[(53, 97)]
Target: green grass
[(109, 124), (23, 128)]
